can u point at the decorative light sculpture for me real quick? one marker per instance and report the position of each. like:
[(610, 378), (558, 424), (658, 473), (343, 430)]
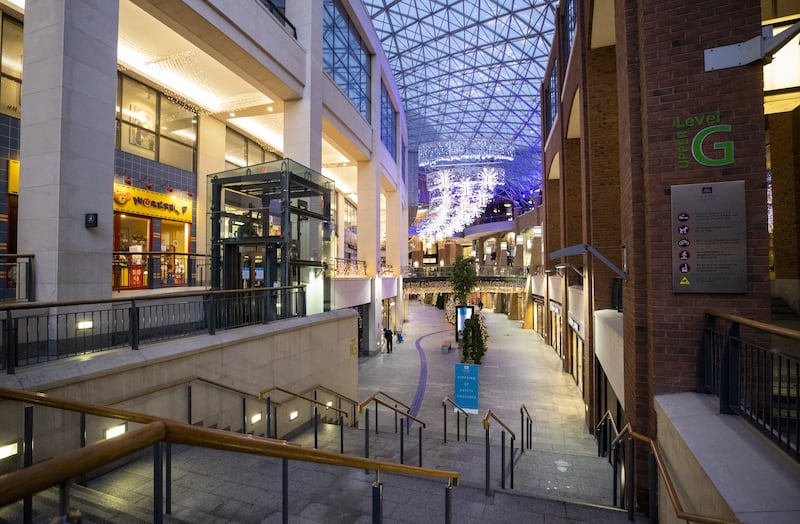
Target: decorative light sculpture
[(464, 176)]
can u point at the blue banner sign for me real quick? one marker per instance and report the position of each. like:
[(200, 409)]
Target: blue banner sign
[(466, 387)]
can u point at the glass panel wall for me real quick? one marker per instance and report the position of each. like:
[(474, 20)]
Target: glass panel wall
[(345, 57), (152, 126)]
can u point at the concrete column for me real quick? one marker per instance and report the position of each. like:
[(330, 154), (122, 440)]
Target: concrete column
[(210, 159), (67, 146), (302, 119), (369, 217)]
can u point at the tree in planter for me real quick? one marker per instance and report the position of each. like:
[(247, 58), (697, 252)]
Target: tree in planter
[(474, 342), (463, 278)]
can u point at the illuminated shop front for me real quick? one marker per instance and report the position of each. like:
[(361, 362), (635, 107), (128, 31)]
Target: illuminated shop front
[(151, 239)]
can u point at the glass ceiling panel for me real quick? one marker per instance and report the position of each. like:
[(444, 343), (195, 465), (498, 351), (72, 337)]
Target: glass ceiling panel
[(468, 68)]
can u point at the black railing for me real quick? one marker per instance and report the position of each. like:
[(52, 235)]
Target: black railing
[(754, 368), (157, 269), (35, 333), (280, 14)]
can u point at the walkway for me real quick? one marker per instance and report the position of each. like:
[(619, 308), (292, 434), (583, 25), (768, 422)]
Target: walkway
[(518, 368)]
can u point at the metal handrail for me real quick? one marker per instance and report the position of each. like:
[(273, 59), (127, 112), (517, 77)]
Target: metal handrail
[(490, 414), (17, 485), (627, 431), (448, 400), (58, 470), (459, 408), (262, 395), (525, 430), (381, 393), (393, 408), (177, 383), (336, 394)]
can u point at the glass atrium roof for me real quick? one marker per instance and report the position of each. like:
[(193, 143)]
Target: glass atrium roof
[(468, 68)]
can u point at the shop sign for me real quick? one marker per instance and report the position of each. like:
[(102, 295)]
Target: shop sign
[(696, 134), (137, 201)]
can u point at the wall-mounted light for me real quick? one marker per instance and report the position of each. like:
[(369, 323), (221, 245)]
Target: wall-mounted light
[(503, 245), (9, 450), (329, 404), (293, 415), (115, 431), (85, 324), (255, 419)]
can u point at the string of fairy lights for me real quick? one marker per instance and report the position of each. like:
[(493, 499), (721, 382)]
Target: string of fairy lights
[(461, 179)]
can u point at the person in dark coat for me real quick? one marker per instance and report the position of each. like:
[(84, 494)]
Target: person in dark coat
[(387, 334)]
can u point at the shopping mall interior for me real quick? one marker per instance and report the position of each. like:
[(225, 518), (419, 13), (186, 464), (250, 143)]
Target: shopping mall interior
[(237, 297)]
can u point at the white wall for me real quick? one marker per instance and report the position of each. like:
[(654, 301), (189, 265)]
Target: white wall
[(608, 347), (295, 354)]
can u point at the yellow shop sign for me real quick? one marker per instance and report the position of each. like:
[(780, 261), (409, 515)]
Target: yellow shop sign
[(137, 201)]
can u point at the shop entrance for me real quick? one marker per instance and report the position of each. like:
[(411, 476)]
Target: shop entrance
[(133, 234)]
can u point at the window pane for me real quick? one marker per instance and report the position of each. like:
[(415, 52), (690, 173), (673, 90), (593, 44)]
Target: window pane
[(176, 155), (12, 49), (255, 155), (235, 148), (10, 93), (138, 104), (178, 123), (137, 141)]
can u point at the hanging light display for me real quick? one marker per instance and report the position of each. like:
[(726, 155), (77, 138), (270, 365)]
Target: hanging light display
[(462, 180)]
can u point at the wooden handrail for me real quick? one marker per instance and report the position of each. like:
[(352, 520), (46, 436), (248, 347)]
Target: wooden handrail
[(447, 400), (261, 395), (383, 394), (29, 481), (490, 414), (181, 382), (14, 486), (51, 472), (670, 487), (524, 409), (393, 408), (42, 399), (755, 324), (336, 394)]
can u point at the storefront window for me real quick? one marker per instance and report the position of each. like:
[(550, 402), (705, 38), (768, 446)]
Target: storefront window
[(134, 237)]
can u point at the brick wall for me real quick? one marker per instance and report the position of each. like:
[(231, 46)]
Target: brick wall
[(660, 47)]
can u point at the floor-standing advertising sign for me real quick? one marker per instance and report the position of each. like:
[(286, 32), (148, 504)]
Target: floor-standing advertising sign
[(466, 387)]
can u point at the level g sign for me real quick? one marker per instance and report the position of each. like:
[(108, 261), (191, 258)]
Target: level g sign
[(701, 138)]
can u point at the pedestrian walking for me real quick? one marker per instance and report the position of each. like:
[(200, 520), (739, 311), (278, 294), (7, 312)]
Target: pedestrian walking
[(387, 334)]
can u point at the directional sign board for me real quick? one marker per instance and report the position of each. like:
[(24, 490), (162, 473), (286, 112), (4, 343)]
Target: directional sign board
[(709, 238)]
